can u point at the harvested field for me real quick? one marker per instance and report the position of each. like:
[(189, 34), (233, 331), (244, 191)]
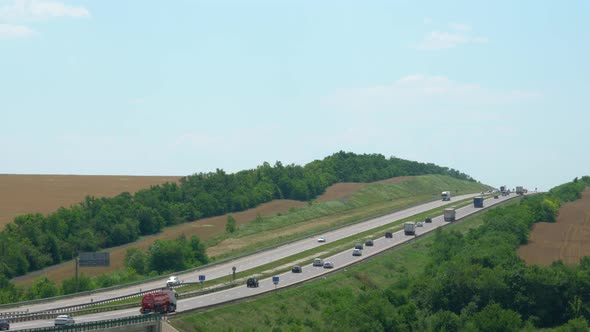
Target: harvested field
[(20, 194), (204, 229), (568, 239)]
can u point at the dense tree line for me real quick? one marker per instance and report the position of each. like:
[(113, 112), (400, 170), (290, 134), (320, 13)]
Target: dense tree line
[(35, 241)]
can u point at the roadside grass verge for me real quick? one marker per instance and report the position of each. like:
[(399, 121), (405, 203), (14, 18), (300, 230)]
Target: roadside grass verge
[(303, 258), (302, 307), (372, 200)]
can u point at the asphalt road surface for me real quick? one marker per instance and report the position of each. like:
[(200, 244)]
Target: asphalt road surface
[(340, 260)]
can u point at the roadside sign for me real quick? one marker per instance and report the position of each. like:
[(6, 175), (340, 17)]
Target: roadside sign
[(201, 277), (275, 280), (89, 259)]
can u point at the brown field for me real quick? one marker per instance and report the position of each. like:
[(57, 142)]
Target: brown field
[(568, 239), (204, 228), (20, 194)]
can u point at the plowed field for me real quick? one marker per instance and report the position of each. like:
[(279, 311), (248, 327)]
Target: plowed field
[(568, 239)]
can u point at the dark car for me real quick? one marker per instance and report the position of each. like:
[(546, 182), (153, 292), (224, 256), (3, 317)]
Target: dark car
[(388, 235), (495, 196), (428, 219), (369, 243), (4, 325), (296, 269), (358, 246), (252, 282)]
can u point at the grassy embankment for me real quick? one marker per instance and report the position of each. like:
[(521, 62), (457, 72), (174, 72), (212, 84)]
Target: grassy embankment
[(302, 307), (372, 200)]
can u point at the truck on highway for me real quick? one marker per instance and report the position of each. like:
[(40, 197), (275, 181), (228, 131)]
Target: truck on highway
[(478, 202), (449, 214), (410, 228), (163, 301), (446, 195), (504, 191), (519, 190)]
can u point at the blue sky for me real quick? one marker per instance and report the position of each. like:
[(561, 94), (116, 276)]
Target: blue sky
[(498, 90)]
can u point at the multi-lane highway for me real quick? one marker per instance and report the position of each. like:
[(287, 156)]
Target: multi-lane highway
[(285, 279)]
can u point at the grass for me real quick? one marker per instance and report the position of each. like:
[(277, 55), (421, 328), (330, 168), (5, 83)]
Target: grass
[(303, 307), (372, 200)]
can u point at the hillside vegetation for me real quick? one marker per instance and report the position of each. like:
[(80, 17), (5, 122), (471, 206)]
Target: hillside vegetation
[(34, 241), (166, 253), (451, 281)]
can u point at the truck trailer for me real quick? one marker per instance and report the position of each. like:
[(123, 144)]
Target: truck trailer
[(519, 190), (163, 301), (449, 214), (446, 195), (478, 202), (410, 228)]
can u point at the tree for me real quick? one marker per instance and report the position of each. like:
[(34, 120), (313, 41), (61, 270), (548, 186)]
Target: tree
[(493, 318), (230, 225), (136, 259), (42, 288)]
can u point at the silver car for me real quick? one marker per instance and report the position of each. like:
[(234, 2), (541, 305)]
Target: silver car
[(62, 320)]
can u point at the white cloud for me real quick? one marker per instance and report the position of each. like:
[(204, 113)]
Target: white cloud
[(437, 40), (34, 10), (460, 27), (423, 92), (8, 31)]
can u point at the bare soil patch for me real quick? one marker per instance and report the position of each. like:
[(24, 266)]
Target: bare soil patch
[(568, 239), (20, 194), (205, 229)]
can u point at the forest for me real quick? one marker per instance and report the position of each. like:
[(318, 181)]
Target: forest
[(34, 241)]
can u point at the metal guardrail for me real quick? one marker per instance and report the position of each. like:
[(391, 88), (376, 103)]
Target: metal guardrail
[(100, 325), (225, 260)]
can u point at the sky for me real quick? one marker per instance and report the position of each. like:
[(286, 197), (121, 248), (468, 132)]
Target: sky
[(495, 89)]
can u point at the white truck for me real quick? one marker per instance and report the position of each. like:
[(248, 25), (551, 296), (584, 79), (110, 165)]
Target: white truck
[(449, 214), (519, 190), (446, 195), (410, 228)]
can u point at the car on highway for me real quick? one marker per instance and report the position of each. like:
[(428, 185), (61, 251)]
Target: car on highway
[(369, 243), (296, 269), (252, 283), (321, 239), (328, 265), (495, 196), (172, 281), (358, 246), (63, 320), (428, 220), (388, 235), (357, 252), (420, 224), (4, 324), (318, 262)]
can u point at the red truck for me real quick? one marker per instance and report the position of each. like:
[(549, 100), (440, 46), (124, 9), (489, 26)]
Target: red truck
[(163, 301)]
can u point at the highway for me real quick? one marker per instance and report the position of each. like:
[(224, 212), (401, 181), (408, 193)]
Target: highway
[(340, 260)]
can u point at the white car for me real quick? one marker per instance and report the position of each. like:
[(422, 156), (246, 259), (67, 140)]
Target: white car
[(420, 224), (172, 281), (357, 252), (321, 239), (62, 320)]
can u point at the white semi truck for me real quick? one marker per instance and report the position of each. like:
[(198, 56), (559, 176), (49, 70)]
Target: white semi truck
[(410, 228), (449, 214), (446, 195)]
